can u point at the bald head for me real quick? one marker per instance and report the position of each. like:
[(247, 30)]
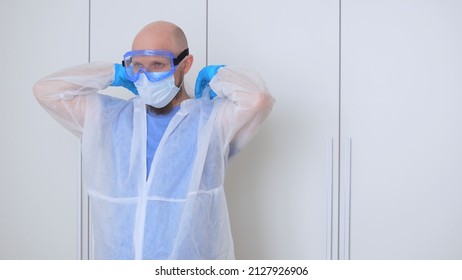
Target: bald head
[(161, 35)]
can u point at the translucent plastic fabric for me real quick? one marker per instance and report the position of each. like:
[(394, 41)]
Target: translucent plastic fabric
[(180, 211)]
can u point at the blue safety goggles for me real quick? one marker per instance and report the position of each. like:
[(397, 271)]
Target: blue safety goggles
[(155, 64)]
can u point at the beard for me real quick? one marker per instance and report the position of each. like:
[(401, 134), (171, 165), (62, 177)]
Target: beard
[(161, 111)]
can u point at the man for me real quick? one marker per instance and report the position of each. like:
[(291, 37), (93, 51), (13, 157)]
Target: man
[(154, 165)]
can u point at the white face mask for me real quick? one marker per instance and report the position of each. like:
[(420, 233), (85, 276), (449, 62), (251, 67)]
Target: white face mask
[(157, 94)]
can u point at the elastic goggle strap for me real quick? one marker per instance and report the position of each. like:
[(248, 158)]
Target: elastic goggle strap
[(176, 60), (180, 57)]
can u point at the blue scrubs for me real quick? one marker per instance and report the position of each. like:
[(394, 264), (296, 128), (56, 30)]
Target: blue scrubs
[(157, 124)]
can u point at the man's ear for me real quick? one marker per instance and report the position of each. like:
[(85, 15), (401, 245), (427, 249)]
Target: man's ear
[(188, 63)]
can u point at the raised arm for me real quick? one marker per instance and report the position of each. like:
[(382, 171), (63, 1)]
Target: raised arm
[(248, 104), (64, 93)]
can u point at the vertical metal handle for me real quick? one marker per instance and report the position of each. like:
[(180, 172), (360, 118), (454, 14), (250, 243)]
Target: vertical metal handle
[(329, 190), (347, 200)]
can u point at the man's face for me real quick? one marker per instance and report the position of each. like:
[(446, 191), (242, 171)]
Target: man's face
[(155, 64)]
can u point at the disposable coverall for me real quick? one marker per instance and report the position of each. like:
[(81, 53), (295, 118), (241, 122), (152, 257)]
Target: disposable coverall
[(177, 209)]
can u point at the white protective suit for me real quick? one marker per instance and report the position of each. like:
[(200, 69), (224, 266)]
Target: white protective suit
[(179, 211)]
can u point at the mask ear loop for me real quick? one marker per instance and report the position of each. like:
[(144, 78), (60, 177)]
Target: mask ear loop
[(177, 66)]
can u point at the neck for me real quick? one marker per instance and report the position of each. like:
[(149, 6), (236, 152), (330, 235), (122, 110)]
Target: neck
[(180, 97)]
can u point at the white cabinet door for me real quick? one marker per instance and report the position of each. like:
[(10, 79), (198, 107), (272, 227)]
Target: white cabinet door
[(39, 159), (278, 187), (401, 100)]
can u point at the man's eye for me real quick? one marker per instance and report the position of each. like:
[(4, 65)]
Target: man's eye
[(137, 65)]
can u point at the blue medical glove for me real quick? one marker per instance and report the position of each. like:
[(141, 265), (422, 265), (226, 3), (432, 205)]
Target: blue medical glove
[(204, 78), (121, 79)]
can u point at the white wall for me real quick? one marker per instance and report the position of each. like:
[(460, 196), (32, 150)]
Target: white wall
[(39, 159)]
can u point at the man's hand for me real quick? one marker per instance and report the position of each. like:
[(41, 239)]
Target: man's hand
[(203, 80), (121, 80)]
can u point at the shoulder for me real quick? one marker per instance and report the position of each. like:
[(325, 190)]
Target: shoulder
[(202, 105), (104, 107)]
